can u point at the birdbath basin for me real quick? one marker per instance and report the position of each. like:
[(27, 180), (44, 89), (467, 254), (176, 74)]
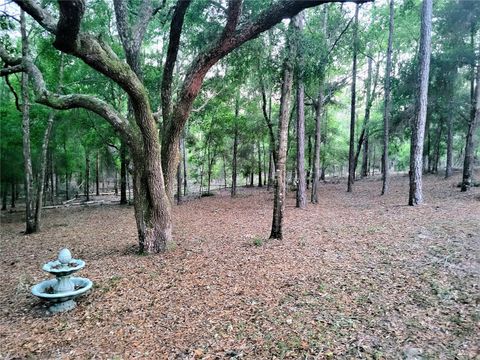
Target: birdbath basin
[(61, 291)]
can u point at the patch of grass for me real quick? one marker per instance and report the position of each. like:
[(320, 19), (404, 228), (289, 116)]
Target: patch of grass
[(110, 284), (257, 242), (171, 246)]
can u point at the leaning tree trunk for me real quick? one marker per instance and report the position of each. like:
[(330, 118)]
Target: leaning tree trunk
[(351, 152), (471, 141), (280, 170), (418, 123), (302, 183), (387, 110), (27, 157)]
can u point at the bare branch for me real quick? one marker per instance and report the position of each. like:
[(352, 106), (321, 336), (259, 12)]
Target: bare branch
[(17, 103), (201, 107), (11, 70)]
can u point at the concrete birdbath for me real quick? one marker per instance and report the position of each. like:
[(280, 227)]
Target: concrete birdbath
[(61, 291)]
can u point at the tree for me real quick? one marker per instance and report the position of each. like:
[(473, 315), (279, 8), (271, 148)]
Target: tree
[(280, 180), (300, 71), (471, 140), (387, 104), (153, 172), (418, 123), (27, 157), (351, 153)]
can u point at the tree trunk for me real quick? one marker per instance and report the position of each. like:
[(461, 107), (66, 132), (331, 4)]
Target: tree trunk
[(211, 160), (270, 170), (235, 149), (67, 180), (309, 165), (438, 141), (260, 183), (153, 217), (123, 173), (27, 157), (224, 170), (179, 178), (13, 195), (184, 157), (351, 153), (4, 195), (387, 110), (97, 175), (418, 124), (280, 171), (471, 141), (449, 166), (41, 176), (302, 182), (52, 179), (368, 106), (316, 153), (87, 177)]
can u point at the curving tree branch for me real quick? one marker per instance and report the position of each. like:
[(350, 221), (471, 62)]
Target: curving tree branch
[(64, 102)]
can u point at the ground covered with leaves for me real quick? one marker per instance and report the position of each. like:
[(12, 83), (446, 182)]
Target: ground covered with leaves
[(357, 276)]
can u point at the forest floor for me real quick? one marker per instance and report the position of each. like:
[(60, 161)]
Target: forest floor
[(357, 276)]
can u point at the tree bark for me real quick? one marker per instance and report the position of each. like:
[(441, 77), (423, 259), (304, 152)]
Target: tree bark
[(280, 171), (418, 123), (351, 153), (471, 141), (387, 110), (27, 157), (301, 202)]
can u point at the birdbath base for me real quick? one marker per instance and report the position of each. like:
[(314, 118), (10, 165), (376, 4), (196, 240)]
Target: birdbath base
[(62, 306)]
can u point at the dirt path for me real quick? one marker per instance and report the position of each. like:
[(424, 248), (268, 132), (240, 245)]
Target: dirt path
[(358, 276)]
